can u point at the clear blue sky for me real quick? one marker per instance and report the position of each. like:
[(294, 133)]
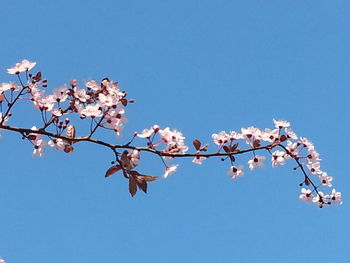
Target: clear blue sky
[(200, 67)]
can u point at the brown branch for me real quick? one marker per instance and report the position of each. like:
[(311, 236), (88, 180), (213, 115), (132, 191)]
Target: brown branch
[(113, 147)]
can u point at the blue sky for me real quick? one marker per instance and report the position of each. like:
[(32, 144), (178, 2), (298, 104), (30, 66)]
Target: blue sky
[(200, 67)]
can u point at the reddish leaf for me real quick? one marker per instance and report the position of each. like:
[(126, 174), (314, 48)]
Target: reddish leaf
[(234, 147), (113, 170), (197, 144), (132, 185), (141, 183), (226, 149), (149, 178), (232, 158)]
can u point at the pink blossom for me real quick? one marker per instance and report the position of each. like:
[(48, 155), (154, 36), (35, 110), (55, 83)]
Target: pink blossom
[(279, 124), (336, 197), (169, 170), (278, 158), (292, 148), (220, 138), (198, 159), (235, 171), (325, 179), (270, 135), (257, 161), (291, 134), (22, 66), (250, 134), (60, 94), (306, 195), (9, 86), (146, 133), (313, 156), (315, 168), (307, 143), (92, 84), (57, 143), (92, 111), (80, 94), (38, 144), (174, 140), (234, 136)]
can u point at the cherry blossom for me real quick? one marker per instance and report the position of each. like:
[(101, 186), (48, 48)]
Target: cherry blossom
[(92, 111), (279, 124), (146, 133), (9, 86), (257, 161), (325, 179), (80, 94), (59, 144), (174, 140), (306, 195), (292, 147), (198, 159), (92, 84), (169, 170), (291, 134), (250, 134), (22, 66), (315, 168), (60, 94), (270, 135), (235, 171), (336, 197), (278, 158), (220, 138)]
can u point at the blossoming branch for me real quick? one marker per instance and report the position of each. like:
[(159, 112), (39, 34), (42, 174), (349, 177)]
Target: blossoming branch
[(103, 105)]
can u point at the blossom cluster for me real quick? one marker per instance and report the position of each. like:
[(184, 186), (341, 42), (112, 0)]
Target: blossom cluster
[(103, 104), (300, 149)]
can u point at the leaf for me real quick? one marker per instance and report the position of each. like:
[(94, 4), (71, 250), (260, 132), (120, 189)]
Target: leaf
[(232, 158), (113, 170), (141, 183), (149, 178), (197, 144), (234, 147), (226, 149), (132, 185)]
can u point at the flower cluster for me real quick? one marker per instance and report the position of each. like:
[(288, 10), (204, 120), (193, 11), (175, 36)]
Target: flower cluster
[(103, 105), (300, 149), (173, 140)]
